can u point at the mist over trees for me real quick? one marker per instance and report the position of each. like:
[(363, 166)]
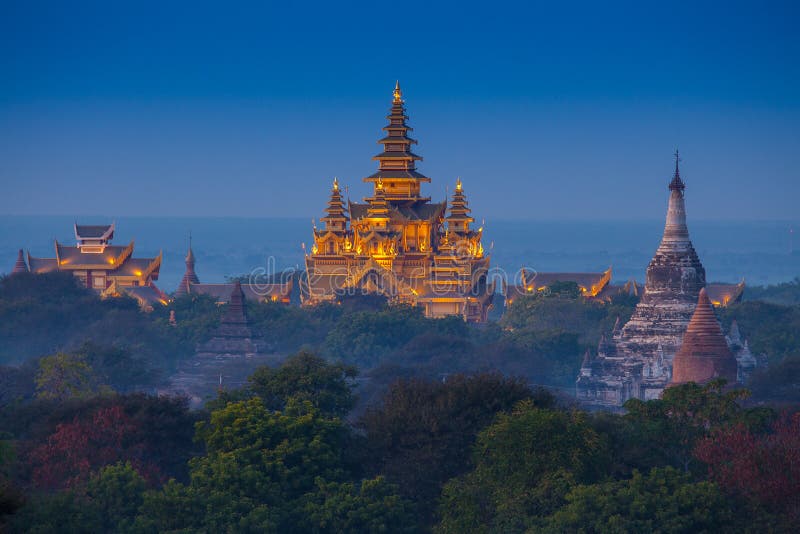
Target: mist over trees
[(378, 420)]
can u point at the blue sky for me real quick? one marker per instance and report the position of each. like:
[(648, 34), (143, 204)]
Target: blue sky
[(545, 112)]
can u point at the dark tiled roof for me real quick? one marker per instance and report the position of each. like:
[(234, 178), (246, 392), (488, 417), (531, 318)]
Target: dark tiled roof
[(395, 175), (42, 265), (91, 231), (396, 139), (133, 265), (397, 155), (545, 279), (147, 294), (74, 255), (423, 211), (260, 292)]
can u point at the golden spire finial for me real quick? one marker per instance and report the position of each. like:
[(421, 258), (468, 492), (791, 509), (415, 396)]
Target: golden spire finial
[(379, 184), (398, 94), (458, 184), (335, 183)]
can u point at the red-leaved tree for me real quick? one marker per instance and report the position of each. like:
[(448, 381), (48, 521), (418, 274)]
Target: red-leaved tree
[(75, 449), (763, 468)]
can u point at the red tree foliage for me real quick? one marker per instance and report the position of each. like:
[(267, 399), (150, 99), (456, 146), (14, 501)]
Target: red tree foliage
[(764, 468), (75, 449)]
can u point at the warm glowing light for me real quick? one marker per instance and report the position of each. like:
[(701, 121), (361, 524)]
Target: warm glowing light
[(335, 184), (458, 184), (379, 184), (111, 261), (397, 93), (137, 273)]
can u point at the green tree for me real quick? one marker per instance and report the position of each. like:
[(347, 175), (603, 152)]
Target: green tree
[(306, 376), (64, 376), (668, 428), (113, 497), (373, 506), (526, 462), (263, 462), (665, 500), (423, 432)]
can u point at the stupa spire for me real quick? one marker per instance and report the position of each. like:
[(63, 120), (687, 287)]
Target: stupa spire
[(675, 229), (20, 266), (704, 354), (677, 184), (397, 93), (189, 275)]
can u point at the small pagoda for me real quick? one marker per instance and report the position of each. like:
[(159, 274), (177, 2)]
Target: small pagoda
[(398, 243), (704, 354), (233, 337)]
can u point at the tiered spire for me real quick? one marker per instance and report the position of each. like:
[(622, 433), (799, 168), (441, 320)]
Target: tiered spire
[(20, 266), (189, 275), (397, 164), (378, 207), (336, 218), (675, 229), (704, 354), (459, 218)]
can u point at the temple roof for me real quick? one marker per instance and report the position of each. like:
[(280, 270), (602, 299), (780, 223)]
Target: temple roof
[(421, 211), (255, 292), (114, 258), (537, 279), (397, 155), (102, 231), (704, 354), (42, 265), (397, 139), (724, 294), (146, 295), (397, 175)]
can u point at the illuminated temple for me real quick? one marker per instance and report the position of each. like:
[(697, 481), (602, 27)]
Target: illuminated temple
[(398, 243), (110, 270), (636, 359)]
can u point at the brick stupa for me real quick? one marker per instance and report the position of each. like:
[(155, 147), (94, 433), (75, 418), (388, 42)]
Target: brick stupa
[(704, 354)]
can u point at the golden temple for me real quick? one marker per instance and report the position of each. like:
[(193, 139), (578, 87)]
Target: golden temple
[(398, 243)]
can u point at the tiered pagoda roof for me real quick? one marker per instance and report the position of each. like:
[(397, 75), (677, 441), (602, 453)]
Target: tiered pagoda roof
[(704, 354)]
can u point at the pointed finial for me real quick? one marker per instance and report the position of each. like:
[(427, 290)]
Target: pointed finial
[(677, 183), (458, 184), (335, 184), (398, 94)]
